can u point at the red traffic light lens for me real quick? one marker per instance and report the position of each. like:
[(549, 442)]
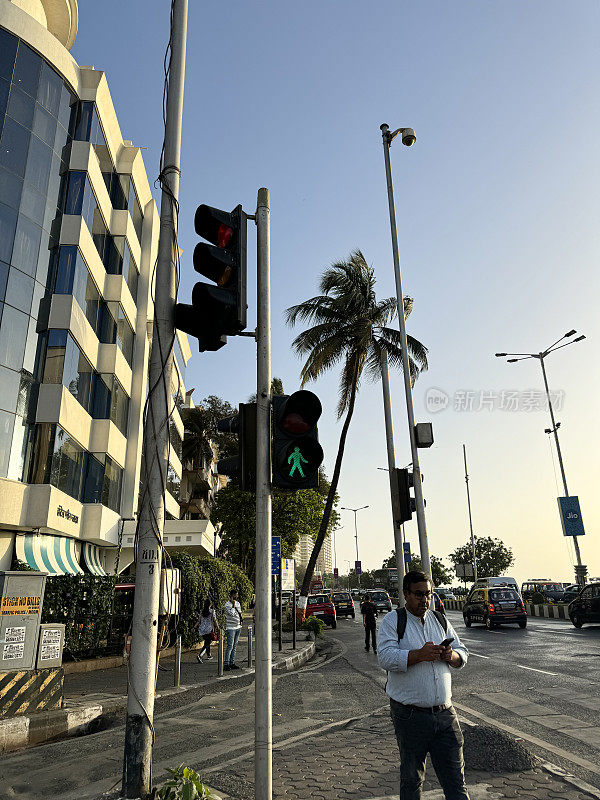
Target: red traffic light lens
[(224, 235), (295, 423)]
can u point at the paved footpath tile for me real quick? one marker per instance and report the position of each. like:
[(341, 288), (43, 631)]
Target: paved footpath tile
[(330, 766)]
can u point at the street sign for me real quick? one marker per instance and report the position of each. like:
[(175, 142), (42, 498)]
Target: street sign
[(357, 567), (288, 582), (407, 556), (570, 516), (275, 554), (465, 571)]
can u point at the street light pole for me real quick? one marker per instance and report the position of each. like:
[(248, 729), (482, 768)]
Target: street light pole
[(470, 519), (355, 510), (394, 489), (580, 569), (408, 138)]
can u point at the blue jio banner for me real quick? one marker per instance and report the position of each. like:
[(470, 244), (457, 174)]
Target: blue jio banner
[(407, 556), (570, 516)]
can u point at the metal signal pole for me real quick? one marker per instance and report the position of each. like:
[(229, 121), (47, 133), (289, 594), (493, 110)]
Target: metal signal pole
[(139, 730), (470, 520), (388, 137), (263, 751)]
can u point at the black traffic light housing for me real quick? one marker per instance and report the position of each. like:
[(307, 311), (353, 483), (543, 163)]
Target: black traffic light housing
[(241, 467), (405, 480), (296, 454), (217, 311)]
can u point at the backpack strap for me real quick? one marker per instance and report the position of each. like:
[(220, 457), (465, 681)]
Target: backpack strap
[(400, 622), (441, 618)]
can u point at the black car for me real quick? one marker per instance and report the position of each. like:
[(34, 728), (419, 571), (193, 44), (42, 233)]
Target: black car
[(344, 605), (586, 606), (494, 606), (380, 598)]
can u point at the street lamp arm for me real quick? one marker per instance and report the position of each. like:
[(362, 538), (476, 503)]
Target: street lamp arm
[(566, 344)]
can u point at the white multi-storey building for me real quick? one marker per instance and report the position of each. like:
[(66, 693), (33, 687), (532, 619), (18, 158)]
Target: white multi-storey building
[(78, 242), (303, 552)]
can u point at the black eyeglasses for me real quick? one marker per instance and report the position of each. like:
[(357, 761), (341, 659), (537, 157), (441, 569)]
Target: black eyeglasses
[(420, 594)]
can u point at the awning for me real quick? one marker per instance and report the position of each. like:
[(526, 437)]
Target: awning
[(91, 555), (46, 553)]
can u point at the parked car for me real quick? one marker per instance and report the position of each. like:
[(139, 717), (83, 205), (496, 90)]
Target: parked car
[(445, 594), (586, 606), (380, 598), (344, 605), (438, 604), (552, 591), (321, 606), (494, 606), (571, 592)]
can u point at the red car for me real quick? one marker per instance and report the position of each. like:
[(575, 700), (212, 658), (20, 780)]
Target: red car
[(322, 607)]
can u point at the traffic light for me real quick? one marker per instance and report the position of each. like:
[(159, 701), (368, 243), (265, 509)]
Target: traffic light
[(242, 466), (296, 454), (217, 311), (408, 505)]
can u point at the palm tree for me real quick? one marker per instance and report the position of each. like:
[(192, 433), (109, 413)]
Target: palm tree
[(349, 327)]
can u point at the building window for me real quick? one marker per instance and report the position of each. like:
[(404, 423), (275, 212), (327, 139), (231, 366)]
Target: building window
[(81, 201), (60, 461), (119, 261)]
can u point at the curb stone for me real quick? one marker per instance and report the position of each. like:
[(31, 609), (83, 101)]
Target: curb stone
[(79, 717)]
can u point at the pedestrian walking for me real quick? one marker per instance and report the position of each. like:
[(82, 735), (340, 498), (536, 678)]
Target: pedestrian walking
[(206, 628), (418, 647), (233, 625), (368, 610)]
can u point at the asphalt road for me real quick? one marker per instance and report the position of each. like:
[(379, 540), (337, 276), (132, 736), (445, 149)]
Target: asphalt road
[(540, 683)]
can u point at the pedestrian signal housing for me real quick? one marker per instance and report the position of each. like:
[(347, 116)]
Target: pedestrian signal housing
[(217, 311), (242, 466), (296, 454)]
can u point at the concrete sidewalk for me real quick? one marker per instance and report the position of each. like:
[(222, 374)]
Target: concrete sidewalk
[(93, 700)]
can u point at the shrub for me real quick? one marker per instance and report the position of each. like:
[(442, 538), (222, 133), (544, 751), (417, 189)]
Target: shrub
[(203, 577), (84, 604), (314, 625), (184, 784)]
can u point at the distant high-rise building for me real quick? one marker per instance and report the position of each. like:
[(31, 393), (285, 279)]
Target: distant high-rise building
[(78, 243), (303, 552)]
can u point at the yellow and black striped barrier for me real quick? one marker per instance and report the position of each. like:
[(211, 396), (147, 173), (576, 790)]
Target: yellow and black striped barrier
[(27, 691)]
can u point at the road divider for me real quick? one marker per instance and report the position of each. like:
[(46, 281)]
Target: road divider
[(554, 611)]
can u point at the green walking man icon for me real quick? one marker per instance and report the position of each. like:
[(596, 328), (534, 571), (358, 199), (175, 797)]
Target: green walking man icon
[(294, 459)]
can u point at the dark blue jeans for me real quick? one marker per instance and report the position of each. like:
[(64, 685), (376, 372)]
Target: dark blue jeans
[(435, 733)]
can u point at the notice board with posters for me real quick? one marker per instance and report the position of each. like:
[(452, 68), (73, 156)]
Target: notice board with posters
[(21, 598)]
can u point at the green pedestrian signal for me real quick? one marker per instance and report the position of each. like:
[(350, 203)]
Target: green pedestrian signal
[(295, 460), (296, 454)]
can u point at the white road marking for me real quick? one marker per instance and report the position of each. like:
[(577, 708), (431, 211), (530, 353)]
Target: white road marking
[(478, 655), (533, 669)]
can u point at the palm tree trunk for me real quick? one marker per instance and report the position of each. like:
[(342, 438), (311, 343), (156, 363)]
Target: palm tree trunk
[(330, 497)]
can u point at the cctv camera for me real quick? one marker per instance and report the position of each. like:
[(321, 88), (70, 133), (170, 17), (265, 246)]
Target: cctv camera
[(408, 137)]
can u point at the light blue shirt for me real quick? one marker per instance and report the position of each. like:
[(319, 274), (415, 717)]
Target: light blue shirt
[(427, 683)]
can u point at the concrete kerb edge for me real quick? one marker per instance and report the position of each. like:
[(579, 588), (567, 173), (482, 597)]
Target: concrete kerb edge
[(559, 772), (24, 731)]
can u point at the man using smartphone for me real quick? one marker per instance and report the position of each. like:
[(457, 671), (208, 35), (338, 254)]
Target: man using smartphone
[(419, 647)]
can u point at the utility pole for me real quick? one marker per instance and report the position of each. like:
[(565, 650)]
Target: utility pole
[(139, 730), (263, 754), (394, 493), (418, 484), (470, 520)]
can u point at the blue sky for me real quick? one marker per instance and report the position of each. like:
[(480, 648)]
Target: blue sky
[(498, 215)]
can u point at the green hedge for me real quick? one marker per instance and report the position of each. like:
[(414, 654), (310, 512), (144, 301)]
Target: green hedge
[(201, 578), (84, 604)]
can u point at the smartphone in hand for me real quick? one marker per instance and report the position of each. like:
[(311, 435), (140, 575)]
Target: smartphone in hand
[(447, 642)]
